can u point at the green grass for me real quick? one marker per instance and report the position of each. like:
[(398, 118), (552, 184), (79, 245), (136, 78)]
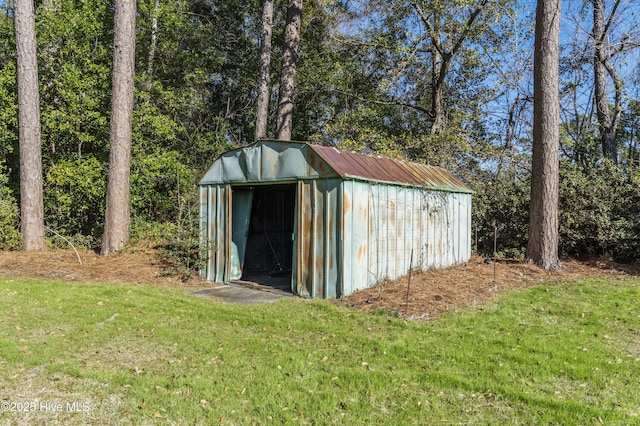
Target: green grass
[(565, 353)]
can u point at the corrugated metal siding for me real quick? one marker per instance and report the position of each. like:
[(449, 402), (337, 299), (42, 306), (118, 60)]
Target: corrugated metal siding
[(389, 229), (316, 271), (355, 236), (215, 231)]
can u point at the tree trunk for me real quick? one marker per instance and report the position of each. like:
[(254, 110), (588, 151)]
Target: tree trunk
[(437, 92), (600, 82), (31, 198), (288, 74), (543, 221), (444, 47), (117, 216), (262, 104), (154, 36)]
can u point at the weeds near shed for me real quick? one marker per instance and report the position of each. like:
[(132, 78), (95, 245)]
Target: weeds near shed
[(183, 248)]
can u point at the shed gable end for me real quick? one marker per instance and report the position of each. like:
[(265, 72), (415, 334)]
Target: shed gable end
[(268, 161)]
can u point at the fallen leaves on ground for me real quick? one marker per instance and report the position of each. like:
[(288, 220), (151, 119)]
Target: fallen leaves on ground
[(429, 292), (424, 294)]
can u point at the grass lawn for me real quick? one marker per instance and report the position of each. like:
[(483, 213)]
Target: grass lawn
[(563, 353)]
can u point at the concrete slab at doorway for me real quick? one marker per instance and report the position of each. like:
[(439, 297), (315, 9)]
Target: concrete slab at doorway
[(234, 293)]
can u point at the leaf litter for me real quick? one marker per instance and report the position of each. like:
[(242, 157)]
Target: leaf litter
[(431, 292)]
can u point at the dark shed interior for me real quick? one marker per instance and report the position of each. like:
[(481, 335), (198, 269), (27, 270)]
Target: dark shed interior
[(269, 247)]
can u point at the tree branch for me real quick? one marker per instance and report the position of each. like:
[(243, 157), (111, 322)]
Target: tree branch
[(610, 20), (617, 83), (435, 40), (385, 103), (468, 25)]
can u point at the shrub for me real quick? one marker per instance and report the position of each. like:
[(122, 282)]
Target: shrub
[(182, 248), (503, 204), (162, 188), (165, 202), (599, 212), (10, 236), (75, 198), (179, 244)]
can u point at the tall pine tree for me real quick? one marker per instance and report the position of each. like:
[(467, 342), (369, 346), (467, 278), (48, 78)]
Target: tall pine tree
[(31, 199), (118, 212), (543, 220)]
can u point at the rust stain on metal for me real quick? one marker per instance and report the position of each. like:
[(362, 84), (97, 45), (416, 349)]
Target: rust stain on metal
[(376, 168), (392, 211), (319, 274), (320, 165), (346, 203), (331, 219), (360, 253)]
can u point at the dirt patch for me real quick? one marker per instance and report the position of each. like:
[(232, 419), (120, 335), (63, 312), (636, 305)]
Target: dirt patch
[(430, 292), (437, 290)]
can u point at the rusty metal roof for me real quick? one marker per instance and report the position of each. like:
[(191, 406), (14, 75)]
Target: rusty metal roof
[(270, 161), (351, 165)]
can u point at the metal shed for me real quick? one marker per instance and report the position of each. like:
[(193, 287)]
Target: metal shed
[(328, 222)]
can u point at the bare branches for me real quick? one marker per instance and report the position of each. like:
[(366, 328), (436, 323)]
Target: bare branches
[(612, 15), (436, 36)]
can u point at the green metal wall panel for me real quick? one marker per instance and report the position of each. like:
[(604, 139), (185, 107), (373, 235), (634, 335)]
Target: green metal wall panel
[(316, 239), (387, 230), (216, 238)]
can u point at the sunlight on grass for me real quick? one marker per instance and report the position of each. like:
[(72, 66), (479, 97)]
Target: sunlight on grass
[(561, 353)]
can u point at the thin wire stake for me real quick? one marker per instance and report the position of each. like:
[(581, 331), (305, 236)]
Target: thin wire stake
[(495, 251), (476, 239), (406, 308)]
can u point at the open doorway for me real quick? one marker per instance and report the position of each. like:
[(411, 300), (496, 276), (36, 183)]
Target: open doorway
[(269, 237)]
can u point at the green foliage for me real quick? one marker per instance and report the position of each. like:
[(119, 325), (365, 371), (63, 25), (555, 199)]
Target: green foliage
[(599, 211), (182, 247), (180, 244), (8, 110), (362, 130), (165, 205), (75, 193), (162, 187), (10, 236), (178, 119), (74, 61), (629, 135), (502, 205), (580, 145)]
